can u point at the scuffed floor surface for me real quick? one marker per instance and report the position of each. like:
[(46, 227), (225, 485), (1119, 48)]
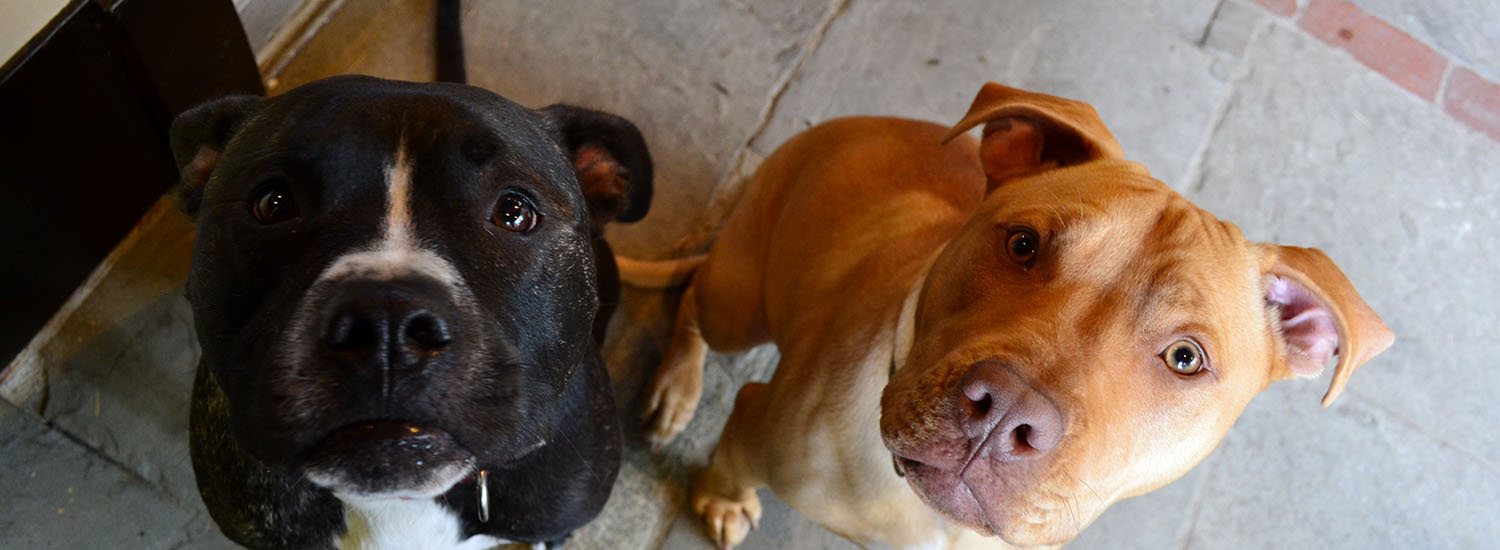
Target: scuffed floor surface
[(1294, 140)]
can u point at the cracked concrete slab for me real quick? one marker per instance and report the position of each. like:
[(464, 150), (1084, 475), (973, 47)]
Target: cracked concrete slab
[(1315, 152), (118, 365), (1271, 129), (1292, 475), (695, 76), (1232, 27), (127, 394), (1188, 19), (1156, 91), (1466, 29), (59, 494)]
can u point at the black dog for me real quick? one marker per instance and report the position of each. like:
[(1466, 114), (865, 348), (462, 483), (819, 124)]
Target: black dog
[(397, 288)]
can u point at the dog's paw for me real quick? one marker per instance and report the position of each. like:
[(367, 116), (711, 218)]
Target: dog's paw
[(671, 399), (728, 521)]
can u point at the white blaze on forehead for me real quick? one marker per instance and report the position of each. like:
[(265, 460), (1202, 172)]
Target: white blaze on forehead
[(398, 200), (397, 253)]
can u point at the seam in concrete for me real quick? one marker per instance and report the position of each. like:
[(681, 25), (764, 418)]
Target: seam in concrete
[(101, 455), (1293, 25), (1195, 175), (1209, 28), (725, 192), (1451, 59), (153, 486), (1478, 458)]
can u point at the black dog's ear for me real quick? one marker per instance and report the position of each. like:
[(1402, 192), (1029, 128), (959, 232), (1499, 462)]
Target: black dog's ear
[(611, 159), (198, 136)]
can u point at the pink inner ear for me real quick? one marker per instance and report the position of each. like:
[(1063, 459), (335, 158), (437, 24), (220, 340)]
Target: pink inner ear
[(1306, 325), (197, 170), (605, 183)]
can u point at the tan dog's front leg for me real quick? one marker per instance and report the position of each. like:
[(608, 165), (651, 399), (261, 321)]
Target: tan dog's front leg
[(673, 392), (724, 494)]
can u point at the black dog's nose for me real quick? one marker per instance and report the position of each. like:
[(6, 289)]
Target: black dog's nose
[(426, 329), (385, 332)]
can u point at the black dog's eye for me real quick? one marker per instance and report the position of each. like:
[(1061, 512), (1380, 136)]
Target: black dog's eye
[(1022, 245), (514, 213), (1183, 357), (275, 204)]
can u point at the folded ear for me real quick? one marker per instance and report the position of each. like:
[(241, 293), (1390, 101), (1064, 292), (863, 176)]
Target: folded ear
[(611, 160), (1315, 313), (1026, 133), (198, 136)]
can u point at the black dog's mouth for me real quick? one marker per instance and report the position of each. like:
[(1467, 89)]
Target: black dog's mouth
[(387, 458)]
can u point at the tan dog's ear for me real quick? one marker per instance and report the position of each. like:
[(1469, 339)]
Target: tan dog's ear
[(1026, 133), (1317, 313)]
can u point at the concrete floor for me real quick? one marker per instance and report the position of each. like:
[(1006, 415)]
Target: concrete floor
[(1295, 141)]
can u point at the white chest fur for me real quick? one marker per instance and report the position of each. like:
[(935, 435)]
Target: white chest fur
[(398, 523)]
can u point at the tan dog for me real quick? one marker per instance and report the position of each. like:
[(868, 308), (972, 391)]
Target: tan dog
[(1032, 326)]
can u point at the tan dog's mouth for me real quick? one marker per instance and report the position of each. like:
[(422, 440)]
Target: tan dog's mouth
[(982, 453), (947, 493), (994, 503)]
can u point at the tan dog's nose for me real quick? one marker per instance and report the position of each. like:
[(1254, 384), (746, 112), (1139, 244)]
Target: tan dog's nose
[(1004, 418)]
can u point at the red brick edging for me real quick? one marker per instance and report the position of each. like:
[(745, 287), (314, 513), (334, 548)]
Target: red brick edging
[(1406, 61), (1474, 100)]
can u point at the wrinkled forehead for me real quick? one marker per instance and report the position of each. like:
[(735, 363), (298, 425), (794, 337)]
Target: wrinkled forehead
[(362, 114), (1109, 224), (345, 134)]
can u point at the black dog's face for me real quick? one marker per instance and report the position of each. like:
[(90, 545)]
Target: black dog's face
[(393, 282)]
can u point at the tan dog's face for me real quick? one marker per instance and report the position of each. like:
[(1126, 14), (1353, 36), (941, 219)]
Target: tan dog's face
[(1090, 335), (1078, 337)]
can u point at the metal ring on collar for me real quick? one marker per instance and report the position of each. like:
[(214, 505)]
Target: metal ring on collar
[(483, 490)]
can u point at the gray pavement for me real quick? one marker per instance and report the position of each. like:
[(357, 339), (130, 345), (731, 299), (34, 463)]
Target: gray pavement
[(1294, 141)]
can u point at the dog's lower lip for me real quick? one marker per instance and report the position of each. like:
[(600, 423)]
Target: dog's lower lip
[(988, 524), (921, 478), (395, 435), (909, 466)]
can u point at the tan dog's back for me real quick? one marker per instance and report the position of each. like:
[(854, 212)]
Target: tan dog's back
[(833, 214)]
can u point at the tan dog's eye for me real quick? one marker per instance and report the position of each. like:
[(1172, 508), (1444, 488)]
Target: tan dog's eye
[(1183, 357), (1021, 245), (514, 213)]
